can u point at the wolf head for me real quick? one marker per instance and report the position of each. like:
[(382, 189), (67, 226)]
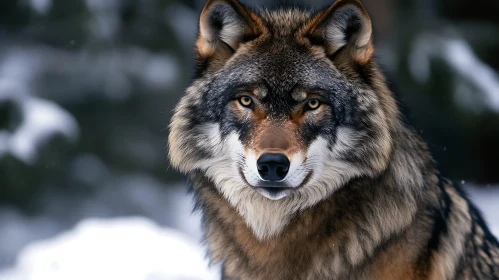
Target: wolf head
[(286, 107)]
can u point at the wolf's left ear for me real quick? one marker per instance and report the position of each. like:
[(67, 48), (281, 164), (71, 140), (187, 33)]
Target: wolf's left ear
[(223, 26), (343, 27)]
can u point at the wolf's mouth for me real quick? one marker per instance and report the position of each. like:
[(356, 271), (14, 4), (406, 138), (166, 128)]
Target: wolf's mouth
[(274, 193), (274, 190)]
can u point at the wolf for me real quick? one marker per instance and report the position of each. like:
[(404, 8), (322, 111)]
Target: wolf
[(301, 162)]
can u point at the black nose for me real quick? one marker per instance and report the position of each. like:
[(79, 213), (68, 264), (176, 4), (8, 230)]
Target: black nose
[(272, 166)]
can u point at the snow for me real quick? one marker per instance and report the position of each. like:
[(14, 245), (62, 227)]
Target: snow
[(126, 248), (17, 231), (108, 72), (487, 200), (473, 76), (111, 194), (41, 6), (460, 56), (24, 64), (159, 70), (41, 119), (105, 22)]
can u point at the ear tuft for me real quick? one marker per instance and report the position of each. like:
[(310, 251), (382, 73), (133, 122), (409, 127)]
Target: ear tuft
[(223, 26), (344, 25)]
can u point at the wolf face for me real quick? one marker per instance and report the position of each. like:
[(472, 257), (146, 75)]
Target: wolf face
[(286, 108)]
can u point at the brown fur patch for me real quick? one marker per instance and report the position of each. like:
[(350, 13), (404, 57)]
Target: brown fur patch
[(271, 137)]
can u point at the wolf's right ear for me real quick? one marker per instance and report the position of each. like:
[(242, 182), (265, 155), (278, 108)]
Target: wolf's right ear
[(223, 26)]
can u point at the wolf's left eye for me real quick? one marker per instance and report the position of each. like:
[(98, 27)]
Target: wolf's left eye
[(313, 104), (245, 101)]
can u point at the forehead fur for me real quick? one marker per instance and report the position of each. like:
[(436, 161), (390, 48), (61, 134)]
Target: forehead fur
[(284, 22)]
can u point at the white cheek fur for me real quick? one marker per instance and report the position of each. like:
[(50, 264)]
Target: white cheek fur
[(329, 174)]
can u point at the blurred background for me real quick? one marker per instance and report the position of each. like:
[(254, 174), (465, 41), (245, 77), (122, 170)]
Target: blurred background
[(87, 88)]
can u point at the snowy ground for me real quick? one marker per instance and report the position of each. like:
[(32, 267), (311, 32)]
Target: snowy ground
[(487, 200), (129, 247), (134, 195), (101, 234), (125, 249)]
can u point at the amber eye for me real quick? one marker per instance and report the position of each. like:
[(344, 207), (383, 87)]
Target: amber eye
[(313, 104), (245, 101)]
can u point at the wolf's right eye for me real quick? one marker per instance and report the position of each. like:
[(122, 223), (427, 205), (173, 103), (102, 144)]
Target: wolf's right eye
[(245, 101), (313, 104)]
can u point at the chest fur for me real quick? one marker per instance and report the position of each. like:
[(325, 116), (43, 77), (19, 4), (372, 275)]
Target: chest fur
[(322, 242)]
